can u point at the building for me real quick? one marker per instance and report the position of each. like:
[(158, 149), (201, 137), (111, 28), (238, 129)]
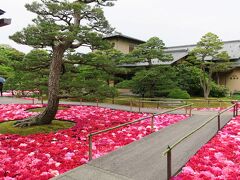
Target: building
[(4, 21), (230, 79), (123, 43)]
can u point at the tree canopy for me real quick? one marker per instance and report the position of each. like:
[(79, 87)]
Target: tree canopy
[(152, 49), (64, 26), (209, 58)]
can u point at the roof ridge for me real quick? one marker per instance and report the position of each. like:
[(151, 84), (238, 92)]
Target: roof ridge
[(190, 45)]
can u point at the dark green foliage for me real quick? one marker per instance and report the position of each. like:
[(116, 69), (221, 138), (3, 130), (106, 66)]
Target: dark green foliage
[(218, 91), (157, 81), (127, 84), (8, 58), (146, 52), (178, 94), (209, 58), (68, 25), (188, 79), (89, 83), (31, 73)]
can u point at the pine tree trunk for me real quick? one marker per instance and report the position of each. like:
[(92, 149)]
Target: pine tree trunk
[(206, 88), (53, 87), (206, 94), (204, 85), (53, 90)]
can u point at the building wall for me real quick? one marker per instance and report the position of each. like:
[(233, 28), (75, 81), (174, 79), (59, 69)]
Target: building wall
[(123, 45), (231, 80)]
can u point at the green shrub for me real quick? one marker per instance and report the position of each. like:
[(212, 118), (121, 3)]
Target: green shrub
[(162, 93), (236, 93), (218, 91), (178, 94), (127, 84)]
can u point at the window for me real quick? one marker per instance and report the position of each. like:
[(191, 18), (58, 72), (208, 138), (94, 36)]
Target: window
[(131, 47), (233, 77)]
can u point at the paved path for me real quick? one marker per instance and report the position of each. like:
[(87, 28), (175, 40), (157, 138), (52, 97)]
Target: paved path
[(13, 100), (143, 160)]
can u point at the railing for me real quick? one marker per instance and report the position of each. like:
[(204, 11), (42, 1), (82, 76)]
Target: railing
[(138, 104), (96, 100), (188, 109), (32, 94), (168, 152), (160, 101)]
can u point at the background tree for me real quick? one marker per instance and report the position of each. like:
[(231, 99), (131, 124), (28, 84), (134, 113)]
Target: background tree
[(9, 57), (89, 77), (187, 77), (146, 52), (207, 56), (62, 25), (31, 73), (157, 81)]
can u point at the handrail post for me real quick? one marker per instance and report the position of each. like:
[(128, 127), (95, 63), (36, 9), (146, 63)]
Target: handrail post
[(90, 146), (81, 101), (33, 100), (186, 110), (42, 99), (236, 109), (131, 104), (169, 163), (139, 106), (97, 102), (152, 122), (219, 122), (190, 113)]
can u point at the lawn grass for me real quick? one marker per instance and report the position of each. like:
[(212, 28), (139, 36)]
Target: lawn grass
[(8, 128), (198, 102)]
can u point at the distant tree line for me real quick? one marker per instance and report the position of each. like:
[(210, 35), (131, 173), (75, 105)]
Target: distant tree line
[(192, 77)]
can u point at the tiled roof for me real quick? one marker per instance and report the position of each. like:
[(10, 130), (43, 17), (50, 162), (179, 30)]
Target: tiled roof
[(118, 35), (232, 48)]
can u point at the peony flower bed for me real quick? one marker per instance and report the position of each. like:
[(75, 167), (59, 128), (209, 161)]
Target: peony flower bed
[(42, 156), (219, 159), (8, 94)]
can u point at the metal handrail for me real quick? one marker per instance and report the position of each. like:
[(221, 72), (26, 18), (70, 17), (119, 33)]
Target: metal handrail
[(192, 132), (90, 136), (169, 149), (174, 102), (164, 99)]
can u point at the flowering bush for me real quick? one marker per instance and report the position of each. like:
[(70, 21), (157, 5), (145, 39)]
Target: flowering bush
[(42, 156), (219, 159), (7, 94)]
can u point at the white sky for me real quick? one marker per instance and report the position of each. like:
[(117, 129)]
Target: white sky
[(175, 22)]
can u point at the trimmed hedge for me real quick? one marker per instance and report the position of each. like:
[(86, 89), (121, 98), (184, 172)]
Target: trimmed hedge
[(218, 91), (179, 94)]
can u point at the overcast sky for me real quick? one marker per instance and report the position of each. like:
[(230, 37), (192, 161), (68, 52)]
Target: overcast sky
[(175, 22)]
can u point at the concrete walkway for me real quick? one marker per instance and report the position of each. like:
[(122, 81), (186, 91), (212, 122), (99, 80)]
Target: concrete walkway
[(13, 100), (143, 159)]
